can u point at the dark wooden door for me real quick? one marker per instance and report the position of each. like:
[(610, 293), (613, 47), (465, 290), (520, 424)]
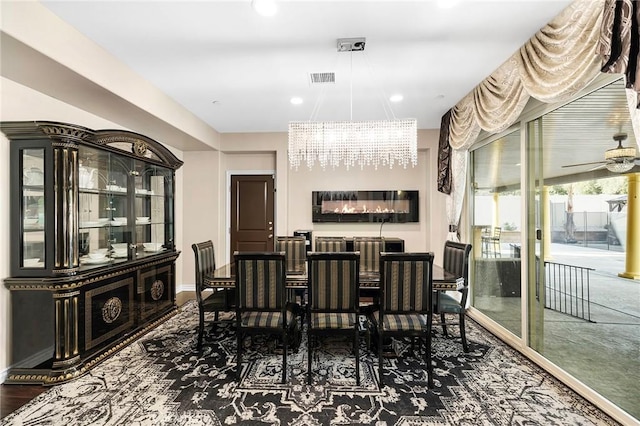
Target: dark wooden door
[(252, 213)]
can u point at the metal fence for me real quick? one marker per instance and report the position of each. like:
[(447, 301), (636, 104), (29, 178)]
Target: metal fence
[(567, 289)]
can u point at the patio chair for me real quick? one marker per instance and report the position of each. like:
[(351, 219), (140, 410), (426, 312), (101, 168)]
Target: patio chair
[(491, 243)]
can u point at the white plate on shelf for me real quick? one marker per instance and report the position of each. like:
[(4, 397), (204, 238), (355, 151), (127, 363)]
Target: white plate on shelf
[(31, 263), (151, 250), (143, 222), (119, 255), (90, 223), (89, 261), (116, 188)]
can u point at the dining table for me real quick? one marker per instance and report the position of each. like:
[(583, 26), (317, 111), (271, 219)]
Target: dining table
[(224, 277)]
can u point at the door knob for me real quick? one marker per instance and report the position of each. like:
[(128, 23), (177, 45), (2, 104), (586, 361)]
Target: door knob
[(270, 236)]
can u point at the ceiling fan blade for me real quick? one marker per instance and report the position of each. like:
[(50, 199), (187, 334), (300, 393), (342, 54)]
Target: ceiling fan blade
[(585, 164), (601, 166)]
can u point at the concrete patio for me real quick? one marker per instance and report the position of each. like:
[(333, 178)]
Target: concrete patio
[(603, 353)]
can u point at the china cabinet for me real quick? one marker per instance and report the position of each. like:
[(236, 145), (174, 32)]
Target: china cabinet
[(92, 245)]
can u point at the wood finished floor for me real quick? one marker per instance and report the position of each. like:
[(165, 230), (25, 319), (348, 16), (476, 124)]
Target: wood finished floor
[(13, 397)]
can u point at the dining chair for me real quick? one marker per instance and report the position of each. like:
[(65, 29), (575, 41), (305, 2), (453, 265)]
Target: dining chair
[(261, 305), (406, 307), (221, 300), (327, 244), (456, 261), (370, 249), (333, 289), (294, 252)]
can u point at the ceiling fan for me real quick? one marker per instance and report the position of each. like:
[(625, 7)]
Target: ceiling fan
[(618, 160)]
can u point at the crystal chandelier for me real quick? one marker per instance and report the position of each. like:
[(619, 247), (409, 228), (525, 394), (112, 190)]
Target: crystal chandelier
[(367, 143), (376, 142)]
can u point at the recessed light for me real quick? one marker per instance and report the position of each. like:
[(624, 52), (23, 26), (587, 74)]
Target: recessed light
[(396, 98), (264, 7), (296, 100)]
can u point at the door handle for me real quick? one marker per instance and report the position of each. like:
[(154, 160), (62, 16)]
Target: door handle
[(270, 236), (271, 228)]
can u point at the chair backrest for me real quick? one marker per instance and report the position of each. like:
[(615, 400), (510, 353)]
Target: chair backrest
[(205, 263), (370, 249), (406, 282), (295, 253), (496, 233), (325, 244), (333, 281), (456, 260), (260, 281)]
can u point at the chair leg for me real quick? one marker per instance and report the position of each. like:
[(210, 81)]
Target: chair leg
[(356, 347), (427, 356), (239, 355), (200, 330), (380, 371), (444, 325), (463, 335), (284, 356), (309, 351)]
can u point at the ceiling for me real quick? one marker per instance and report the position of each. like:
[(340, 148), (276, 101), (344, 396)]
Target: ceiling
[(237, 70)]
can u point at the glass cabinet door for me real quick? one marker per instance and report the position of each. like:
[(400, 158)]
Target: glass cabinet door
[(33, 208), (104, 227), (153, 186)]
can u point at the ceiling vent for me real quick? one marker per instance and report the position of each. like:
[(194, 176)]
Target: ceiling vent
[(322, 78)]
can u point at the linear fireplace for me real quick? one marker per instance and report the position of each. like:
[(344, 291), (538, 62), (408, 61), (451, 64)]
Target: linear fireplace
[(365, 206)]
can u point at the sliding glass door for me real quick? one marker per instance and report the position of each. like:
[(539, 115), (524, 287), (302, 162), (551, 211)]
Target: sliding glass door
[(496, 200), (581, 315)]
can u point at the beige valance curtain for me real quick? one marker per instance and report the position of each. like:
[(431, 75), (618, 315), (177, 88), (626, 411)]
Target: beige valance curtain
[(558, 62)]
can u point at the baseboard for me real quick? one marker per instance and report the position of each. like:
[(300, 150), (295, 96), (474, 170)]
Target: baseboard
[(35, 359), (3, 374), (185, 287)]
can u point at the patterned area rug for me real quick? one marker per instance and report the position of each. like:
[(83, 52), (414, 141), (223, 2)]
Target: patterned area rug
[(162, 380)]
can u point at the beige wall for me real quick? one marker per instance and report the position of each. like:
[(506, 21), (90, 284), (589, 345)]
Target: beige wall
[(294, 189)]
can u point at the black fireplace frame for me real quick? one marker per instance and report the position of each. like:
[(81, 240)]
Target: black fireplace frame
[(395, 206)]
